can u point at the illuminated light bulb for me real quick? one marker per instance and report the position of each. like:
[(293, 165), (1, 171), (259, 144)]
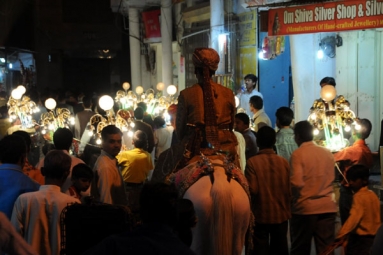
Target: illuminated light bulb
[(51, 127), (98, 141), (347, 128), (126, 85), (22, 89), (316, 131), (328, 93), (346, 108), (313, 116), (132, 124), (106, 102), (160, 86), (236, 101), (16, 94), (320, 54), (139, 90), (43, 131), (90, 132), (171, 90), (71, 120), (124, 129), (10, 119), (357, 126), (130, 133), (50, 103), (123, 100)]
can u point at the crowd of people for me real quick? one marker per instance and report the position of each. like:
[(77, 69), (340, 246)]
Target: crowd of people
[(291, 179)]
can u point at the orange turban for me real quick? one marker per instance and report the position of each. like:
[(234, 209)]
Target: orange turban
[(172, 109), (206, 57)]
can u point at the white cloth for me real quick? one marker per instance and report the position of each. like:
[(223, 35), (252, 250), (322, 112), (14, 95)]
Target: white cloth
[(68, 182), (258, 117), (108, 186), (241, 150), (12, 242), (36, 216), (162, 139), (312, 174), (81, 120), (244, 99)]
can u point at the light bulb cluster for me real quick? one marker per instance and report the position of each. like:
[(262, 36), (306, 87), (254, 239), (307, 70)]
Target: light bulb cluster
[(127, 101), (156, 102), (21, 107), (331, 118), (55, 118)]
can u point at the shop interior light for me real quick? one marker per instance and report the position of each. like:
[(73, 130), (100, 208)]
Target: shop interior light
[(320, 54), (2, 60)]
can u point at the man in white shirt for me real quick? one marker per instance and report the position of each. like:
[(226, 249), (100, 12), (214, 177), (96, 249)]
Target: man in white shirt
[(108, 186), (36, 215), (260, 117), (244, 97)]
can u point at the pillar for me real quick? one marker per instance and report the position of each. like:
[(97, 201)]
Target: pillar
[(217, 21), (166, 38), (135, 48)]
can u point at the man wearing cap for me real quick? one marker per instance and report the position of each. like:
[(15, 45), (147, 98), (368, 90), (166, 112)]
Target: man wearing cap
[(205, 114)]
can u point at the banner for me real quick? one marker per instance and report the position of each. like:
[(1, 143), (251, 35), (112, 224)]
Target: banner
[(326, 17), (152, 23), (248, 28)]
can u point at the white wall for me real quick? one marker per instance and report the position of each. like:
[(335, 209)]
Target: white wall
[(307, 71), (359, 77)]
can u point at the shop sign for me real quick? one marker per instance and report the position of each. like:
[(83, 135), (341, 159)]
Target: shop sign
[(326, 17), (247, 28), (152, 23)]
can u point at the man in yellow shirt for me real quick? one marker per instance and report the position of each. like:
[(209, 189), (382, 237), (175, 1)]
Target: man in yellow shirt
[(135, 166)]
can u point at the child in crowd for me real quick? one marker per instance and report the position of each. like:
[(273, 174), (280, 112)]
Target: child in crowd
[(364, 219), (82, 176)]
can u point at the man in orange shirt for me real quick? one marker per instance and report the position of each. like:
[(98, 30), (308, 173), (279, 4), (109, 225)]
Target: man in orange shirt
[(358, 153)]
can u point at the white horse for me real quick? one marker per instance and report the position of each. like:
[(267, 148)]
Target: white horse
[(223, 210)]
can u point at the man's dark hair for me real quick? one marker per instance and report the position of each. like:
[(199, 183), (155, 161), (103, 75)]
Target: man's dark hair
[(142, 105), (358, 172), (304, 130), (87, 101), (109, 130), (266, 137), (139, 113), (62, 139), (158, 203), (252, 77), (12, 149), (365, 128), (284, 115), (26, 137), (82, 171), (257, 102), (159, 122), (243, 117), (56, 164), (328, 81), (140, 139), (199, 70)]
